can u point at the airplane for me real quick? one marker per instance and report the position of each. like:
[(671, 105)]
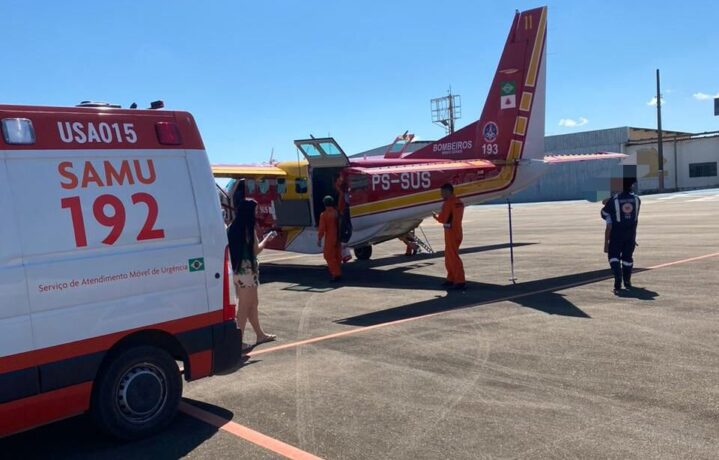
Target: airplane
[(492, 158)]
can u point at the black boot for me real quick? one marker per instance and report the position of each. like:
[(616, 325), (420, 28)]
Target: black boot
[(617, 271), (627, 276)]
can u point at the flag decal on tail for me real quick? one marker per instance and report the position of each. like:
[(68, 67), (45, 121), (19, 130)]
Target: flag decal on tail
[(508, 95)]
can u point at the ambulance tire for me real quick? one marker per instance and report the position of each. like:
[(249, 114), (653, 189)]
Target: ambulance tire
[(137, 393), (363, 252)]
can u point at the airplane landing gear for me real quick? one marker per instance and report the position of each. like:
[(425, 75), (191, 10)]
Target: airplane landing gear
[(363, 252)]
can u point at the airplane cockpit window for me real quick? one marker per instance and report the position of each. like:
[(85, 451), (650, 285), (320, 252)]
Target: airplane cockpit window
[(397, 146), (229, 185), (281, 186), (251, 186), (322, 153), (301, 185)]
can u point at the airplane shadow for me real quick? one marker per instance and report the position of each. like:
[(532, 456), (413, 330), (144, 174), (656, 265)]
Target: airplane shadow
[(425, 256), (477, 294), (539, 295)]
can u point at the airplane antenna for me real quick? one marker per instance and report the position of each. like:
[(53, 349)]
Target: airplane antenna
[(513, 278), (272, 155), (447, 109)]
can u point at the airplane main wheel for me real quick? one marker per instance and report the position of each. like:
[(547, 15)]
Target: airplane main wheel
[(363, 252)]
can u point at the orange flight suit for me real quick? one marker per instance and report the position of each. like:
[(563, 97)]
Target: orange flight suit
[(329, 220), (451, 218)]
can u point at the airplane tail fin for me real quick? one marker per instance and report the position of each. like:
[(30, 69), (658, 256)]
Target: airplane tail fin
[(512, 122)]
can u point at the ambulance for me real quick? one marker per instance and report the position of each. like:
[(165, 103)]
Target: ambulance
[(114, 271)]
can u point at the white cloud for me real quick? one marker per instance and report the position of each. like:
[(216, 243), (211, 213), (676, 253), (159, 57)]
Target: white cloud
[(653, 102), (704, 96), (569, 123)]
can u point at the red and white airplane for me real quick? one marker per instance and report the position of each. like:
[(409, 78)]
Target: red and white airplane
[(493, 157)]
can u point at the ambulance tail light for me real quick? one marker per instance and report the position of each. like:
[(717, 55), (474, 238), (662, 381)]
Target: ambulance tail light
[(228, 299), (168, 133), (18, 131)]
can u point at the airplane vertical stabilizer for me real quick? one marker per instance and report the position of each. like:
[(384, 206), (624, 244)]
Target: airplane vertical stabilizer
[(512, 122)]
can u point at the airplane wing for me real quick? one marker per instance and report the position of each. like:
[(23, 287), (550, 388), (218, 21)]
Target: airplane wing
[(247, 171), (568, 158), (434, 166)]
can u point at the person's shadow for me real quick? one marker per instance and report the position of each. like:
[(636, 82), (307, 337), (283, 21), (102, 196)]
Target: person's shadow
[(638, 293)]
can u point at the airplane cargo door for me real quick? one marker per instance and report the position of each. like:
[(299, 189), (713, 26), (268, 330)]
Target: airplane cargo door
[(326, 160)]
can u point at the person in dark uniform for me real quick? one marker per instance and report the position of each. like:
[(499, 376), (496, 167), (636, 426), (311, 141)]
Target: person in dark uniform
[(621, 213)]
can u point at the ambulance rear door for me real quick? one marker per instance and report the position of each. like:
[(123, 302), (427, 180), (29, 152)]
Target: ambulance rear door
[(15, 325)]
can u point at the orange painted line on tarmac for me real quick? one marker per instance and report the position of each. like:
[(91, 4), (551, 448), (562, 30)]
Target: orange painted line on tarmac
[(247, 434), (487, 302), (683, 261)]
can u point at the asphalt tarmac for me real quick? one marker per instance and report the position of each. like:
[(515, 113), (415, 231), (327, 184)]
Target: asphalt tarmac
[(388, 364)]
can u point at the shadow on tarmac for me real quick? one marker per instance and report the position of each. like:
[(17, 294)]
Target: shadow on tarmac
[(638, 293), (364, 275), (79, 438), (425, 256), (361, 273), (477, 294)]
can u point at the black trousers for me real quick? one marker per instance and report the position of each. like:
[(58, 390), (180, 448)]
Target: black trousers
[(620, 253)]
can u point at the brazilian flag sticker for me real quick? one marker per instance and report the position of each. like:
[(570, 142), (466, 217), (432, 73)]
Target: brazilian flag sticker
[(197, 265)]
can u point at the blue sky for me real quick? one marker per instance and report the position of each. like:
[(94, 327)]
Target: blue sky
[(257, 75)]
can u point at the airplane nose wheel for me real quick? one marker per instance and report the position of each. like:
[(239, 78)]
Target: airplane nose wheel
[(363, 252)]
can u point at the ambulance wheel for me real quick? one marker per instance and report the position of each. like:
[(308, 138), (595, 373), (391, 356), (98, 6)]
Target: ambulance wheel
[(363, 252), (137, 393)]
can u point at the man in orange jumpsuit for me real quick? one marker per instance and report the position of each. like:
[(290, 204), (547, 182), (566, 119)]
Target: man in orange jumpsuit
[(329, 230), (451, 219)]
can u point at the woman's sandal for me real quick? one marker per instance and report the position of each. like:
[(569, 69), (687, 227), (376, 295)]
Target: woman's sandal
[(267, 338)]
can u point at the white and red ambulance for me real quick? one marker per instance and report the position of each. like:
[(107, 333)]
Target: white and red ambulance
[(113, 267)]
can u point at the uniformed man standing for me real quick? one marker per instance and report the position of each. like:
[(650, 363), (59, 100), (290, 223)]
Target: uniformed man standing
[(621, 213), (329, 230), (451, 218)]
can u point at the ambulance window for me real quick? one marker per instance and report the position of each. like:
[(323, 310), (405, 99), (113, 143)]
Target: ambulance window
[(264, 186), (281, 186), (301, 185), (250, 186)]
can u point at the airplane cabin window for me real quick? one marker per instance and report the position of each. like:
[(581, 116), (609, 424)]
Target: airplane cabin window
[(264, 186), (301, 185)]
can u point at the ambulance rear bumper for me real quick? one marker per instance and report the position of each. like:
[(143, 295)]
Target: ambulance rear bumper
[(226, 346)]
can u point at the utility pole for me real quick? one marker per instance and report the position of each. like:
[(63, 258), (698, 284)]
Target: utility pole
[(451, 111), (660, 146)]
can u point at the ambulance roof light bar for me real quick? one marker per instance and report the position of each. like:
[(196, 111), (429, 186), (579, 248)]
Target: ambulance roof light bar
[(99, 104), (18, 131)]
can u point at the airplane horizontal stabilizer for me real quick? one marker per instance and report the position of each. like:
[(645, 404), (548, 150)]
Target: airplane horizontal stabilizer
[(572, 157)]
